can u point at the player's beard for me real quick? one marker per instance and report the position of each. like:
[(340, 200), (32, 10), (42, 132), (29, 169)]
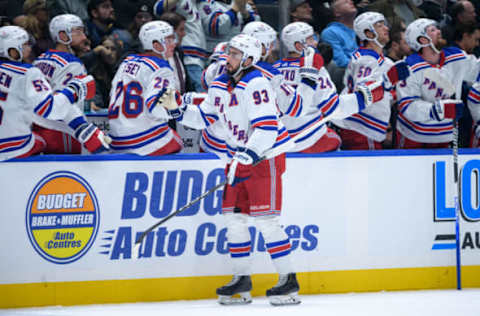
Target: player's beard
[(231, 72), (441, 43)]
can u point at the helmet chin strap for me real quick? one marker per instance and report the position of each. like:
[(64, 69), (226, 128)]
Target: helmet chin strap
[(159, 52), (433, 47)]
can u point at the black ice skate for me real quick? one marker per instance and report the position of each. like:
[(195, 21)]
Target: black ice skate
[(236, 291), (285, 292)]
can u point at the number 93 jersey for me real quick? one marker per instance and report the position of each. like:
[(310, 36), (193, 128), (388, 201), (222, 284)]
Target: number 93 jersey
[(137, 123)]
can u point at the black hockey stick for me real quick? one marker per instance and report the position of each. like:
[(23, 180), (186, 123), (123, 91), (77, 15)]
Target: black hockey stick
[(449, 90)]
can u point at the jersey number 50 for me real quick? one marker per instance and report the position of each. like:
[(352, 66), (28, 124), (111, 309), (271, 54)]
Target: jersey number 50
[(132, 102)]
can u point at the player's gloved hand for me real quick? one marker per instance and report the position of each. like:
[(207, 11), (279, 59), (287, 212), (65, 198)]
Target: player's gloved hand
[(398, 72), (171, 100), (92, 138), (82, 87), (310, 64), (448, 108), (371, 91), (240, 168)]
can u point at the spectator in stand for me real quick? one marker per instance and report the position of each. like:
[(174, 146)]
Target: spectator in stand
[(101, 23), (467, 36), (193, 45), (397, 48), (300, 11), (340, 36), (125, 11), (76, 7), (396, 11), (143, 15), (36, 24), (14, 11), (322, 14), (461, 12), (106, 56), (435, 10), (223, 19)]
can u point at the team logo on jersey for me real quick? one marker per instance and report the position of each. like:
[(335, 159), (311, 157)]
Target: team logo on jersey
[(62, 217)]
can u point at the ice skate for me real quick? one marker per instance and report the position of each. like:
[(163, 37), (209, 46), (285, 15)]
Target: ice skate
[(237, 291), (285, 292)]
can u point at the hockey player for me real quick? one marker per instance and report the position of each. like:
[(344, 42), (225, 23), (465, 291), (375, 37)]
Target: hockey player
[(473, 102), (368, 128), (425, 112), (223, 19), (327, 104), (25, 93), (137, 124), (193, 45), (59, 66), (243, 102)]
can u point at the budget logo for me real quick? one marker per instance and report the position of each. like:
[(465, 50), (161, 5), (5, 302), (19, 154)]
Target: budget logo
[(62, 217)]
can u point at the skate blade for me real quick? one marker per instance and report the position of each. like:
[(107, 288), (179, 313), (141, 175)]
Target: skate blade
[(238, 299), (289, 299)]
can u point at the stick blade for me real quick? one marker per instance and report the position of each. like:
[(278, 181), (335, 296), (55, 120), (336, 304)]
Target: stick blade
[(136, 251)]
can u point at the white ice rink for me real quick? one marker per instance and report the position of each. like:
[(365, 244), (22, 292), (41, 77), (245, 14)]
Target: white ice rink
[(414, 303)]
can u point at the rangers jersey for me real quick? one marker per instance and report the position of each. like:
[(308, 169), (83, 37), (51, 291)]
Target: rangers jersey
[(220, 22), (193, 43), (246, 111), (25, 94), (137, 124), (326, 104), (59, 68), (367, 65), (417, 94)]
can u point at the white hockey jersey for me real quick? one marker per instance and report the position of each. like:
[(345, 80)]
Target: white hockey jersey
[(246, 111), (220, 22), (25, 93), (193, 43), (59, 68), (326, 104), (137, 124), (367, 65), (417, 94)]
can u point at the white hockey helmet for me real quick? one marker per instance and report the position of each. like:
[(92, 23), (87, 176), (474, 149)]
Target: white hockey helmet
[(296, 32), (250, 48), (263, 32), (12, 36), (417, 29), (365, 22), (155, 31), (65, 23)]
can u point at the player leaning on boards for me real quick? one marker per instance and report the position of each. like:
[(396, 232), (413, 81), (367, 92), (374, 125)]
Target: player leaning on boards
[(327, 104), (425, 112), (60, 66), (367, 129), (243, 102), (137, 124), (25, 93)]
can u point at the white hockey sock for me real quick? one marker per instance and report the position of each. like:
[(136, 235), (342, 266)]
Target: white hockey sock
[(239, 242), (277, 242)]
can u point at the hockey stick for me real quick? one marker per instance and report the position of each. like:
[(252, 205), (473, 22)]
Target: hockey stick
[(449, 90)]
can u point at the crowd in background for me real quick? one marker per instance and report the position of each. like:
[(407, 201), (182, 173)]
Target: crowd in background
[(112, 28)]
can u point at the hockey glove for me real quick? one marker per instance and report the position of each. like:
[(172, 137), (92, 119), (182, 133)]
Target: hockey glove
[(92, 138), (82, 87), (447, 109), (240, 168), (398, 72), (171, 100), (371, 91), (310, 64)]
